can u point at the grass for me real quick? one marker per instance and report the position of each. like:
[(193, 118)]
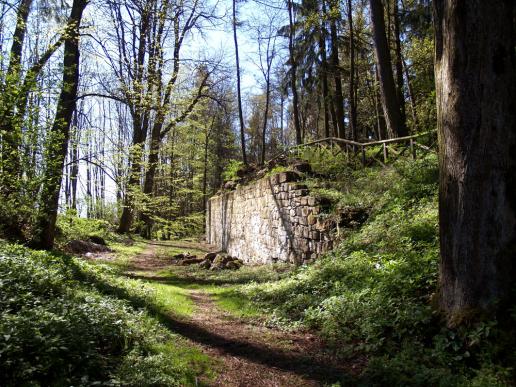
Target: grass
[(67, 321)]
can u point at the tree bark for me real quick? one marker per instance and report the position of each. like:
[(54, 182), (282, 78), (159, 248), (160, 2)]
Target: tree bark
[(476, 108), (57, 146), (389, 97)]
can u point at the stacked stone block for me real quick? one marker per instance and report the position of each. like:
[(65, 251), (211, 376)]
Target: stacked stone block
[(273, 219)]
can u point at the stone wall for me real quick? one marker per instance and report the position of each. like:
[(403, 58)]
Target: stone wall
[(270, 220)]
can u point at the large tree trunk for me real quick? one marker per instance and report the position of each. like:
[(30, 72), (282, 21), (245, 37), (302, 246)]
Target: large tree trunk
[(57, 146), (293, 75), (476, 104), (389, 97)]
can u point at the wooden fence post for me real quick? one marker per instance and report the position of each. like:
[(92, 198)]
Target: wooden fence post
[(385, 153), (412, 149), (363, 156)]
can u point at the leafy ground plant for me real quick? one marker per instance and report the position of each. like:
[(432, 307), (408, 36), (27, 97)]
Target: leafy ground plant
[(59, 326)]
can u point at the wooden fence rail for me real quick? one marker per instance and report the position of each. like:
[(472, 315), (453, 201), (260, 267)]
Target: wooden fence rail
[(394, 146)]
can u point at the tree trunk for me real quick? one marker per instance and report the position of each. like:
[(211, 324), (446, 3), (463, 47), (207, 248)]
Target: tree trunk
[(265, 114), (239, 92), (476, 108), (338, 97), (389, 97), (324, 72), (135, 160), (11, 130), (293, 70), (399, 63), (57, 146), (352, 99)]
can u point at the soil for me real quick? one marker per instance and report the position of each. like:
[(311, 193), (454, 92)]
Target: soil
[(249, 352)]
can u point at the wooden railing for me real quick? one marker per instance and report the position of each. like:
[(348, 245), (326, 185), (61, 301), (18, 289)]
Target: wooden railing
[(389, 150)]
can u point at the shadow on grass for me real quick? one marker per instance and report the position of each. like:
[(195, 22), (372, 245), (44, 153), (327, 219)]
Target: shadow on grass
[(188, 282), (305, 364)]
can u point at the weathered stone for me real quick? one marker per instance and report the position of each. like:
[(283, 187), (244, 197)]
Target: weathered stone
[(305, 211), (262, 222), (311, 219), (210, 256), (191, 261), (302, 167), (230, 185), (288, 176), (261, 173), (205, 264), (233, 265)]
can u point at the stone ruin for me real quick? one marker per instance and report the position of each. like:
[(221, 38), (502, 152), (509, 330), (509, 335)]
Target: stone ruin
[(272, 219)]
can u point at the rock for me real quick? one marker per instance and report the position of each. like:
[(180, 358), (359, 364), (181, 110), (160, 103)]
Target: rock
[(261, 173), (128, 242), (301, 167), (221, 260), (82, 247), (205, 264), (191, 261), (179, 256), (97, 239), (288, 176), (232, 265), (210, 256), (230, 185)]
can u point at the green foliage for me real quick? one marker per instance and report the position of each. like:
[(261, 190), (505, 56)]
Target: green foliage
[(230, 173), (374, 293), (58, 326), (73, 227)]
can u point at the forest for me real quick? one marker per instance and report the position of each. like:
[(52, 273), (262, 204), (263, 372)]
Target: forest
[(381, 132)]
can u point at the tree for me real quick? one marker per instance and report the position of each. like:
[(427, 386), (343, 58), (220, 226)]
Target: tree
[(390, 104), (352, 98), (334, 57), (57, 146), (293, 71), (476, 103), (239, 91)]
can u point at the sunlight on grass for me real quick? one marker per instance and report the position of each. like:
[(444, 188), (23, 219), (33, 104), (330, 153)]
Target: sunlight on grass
[(125, 253), (173, 299), (230, 300)]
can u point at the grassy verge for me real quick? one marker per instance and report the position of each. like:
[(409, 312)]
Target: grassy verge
[(66, 321)]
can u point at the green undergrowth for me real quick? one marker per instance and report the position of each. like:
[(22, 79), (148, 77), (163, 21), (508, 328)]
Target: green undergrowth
[(65, 321), (375, 293)]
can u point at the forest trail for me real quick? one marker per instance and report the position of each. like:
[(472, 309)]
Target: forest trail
[(248, 353)]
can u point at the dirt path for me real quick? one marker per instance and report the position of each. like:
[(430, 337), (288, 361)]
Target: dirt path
[(250, 353)]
